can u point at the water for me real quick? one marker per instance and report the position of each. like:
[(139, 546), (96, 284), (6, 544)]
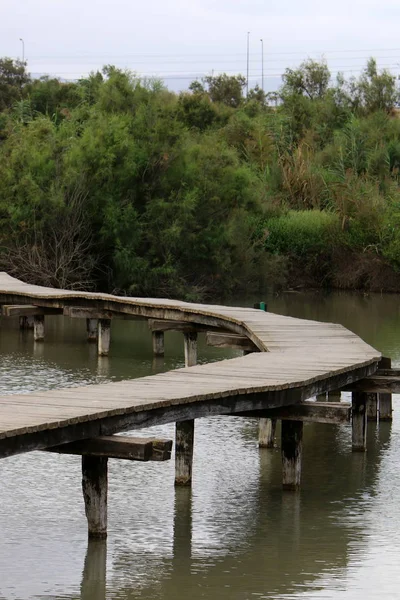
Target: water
[(235, 535)]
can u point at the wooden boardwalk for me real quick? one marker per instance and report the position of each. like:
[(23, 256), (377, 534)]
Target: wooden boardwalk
[(296, 360)]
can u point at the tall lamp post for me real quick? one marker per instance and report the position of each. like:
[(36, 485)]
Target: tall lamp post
[(23, 49), (247, 78), (262, 64)]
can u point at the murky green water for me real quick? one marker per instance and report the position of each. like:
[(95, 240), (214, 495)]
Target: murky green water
[(235, 536)]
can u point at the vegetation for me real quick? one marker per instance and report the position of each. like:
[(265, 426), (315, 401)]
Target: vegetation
[(116, 183)]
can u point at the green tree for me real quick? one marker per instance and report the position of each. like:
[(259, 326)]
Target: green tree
[(311, 79), (13, 78)]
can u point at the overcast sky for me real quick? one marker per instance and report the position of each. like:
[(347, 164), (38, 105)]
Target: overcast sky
[(180, 40)]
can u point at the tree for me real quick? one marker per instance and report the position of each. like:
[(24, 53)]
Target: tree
[(224, 88), (311, 79), (13, 78)]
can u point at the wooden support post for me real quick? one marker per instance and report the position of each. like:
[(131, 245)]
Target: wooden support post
[(385, 400), (292, 442), (334, 396), (38, 328), (359, 421), (94, 487), (26, 322), (190, 342), (158, 343), (266, 433), (372, 407), (184, 430), (92, 326), (184, 440), (104, 337)]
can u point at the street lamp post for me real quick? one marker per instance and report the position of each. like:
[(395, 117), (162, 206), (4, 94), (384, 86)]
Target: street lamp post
[(247, 78), (23, 49), (262, 64)]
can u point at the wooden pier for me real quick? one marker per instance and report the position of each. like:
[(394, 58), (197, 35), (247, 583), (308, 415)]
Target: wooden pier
[(286, 362)]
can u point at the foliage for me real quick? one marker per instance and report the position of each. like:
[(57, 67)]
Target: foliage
[(114, 182)]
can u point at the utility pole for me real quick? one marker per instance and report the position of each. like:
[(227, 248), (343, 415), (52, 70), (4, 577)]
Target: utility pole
[(23, 49), (262, 64), (247, 78)]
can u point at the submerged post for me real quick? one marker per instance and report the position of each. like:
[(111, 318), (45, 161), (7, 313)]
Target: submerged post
[(158, 343), (91, 328), (266, 433), (184, 430), (94, 487), (38, 328), (104, 337), (359, 421), (385, 400), (292, 444)]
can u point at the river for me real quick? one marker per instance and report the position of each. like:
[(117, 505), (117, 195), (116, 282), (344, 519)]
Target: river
[(235, 535)]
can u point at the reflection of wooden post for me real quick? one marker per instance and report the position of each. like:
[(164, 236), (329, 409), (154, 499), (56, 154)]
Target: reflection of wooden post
[(94, 487), (184, 430), (292, 443), (372, 406), (93, 584), (190, 343), (91, 328), (38, 328), (158, 343), (359, 421), (104, 337), (266, 433), (385, 400)]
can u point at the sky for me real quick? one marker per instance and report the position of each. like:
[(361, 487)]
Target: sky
[(180, 41)]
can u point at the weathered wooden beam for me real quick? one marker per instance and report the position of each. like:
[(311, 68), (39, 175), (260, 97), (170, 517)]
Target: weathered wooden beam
[(80, 312), (38, 328), (359, 421), (158, 343), (184, 443), (334, 413), (95, 488), (230, 340), (92, 326), (266, 433), (292, 443), (27, 310), (103, 337), (119, 446), (376, 383)]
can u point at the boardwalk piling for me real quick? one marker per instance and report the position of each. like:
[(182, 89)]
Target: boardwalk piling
[(94, 487), (26, 322), (359, 421), (184, 430), (292, 442), (372, 407), (266, 433), (184, 441), (104, 337), (91, 328), (158, 343), (38, 328), (190, 343), (385, 400)]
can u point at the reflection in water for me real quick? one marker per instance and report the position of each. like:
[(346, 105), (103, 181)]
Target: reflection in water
[(234, 535), (94, 571)]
